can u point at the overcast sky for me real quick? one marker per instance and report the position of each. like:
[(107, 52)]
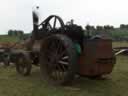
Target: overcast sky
[(17, 14)]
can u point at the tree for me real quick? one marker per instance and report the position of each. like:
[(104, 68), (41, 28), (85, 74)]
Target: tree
[(99, 28), (10, 32), (108, 27), (123, 26), (18, 33)]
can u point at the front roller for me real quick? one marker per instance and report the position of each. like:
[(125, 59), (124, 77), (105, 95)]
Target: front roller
[(58, 59), (23, 63)]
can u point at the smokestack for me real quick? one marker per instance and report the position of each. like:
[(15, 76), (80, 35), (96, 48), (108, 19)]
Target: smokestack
[(35, 15)]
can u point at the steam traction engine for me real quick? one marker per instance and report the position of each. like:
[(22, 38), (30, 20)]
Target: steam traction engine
[(62, 51)]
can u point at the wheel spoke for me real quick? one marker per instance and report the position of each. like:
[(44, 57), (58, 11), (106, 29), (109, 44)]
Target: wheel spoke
[(53, 72), (63, 67), (63, 63), (61, 55), (49, 25), (59, 71), (65, 57), (54, 23), (59, 48)]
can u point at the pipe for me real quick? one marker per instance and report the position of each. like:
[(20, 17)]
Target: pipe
[(35, 15)]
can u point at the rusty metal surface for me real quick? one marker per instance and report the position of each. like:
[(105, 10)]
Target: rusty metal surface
[(97, 58)]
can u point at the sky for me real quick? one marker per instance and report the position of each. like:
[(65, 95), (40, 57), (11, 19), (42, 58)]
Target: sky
[(17, 14)]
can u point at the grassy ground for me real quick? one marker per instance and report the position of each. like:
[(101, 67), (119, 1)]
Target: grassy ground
[(6, 38), (120, 44), (116, 84)]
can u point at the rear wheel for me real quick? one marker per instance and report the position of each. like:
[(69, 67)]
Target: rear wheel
[(23, 64), (58, 60)]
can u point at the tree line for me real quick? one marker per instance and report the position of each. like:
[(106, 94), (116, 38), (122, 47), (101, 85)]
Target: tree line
[(117, 34), (105, 27)]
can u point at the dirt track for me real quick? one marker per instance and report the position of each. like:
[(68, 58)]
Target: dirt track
[(10, 45)]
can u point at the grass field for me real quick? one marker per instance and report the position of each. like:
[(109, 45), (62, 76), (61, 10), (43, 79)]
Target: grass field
[(6, 38), (116, 84), (120, 44)]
